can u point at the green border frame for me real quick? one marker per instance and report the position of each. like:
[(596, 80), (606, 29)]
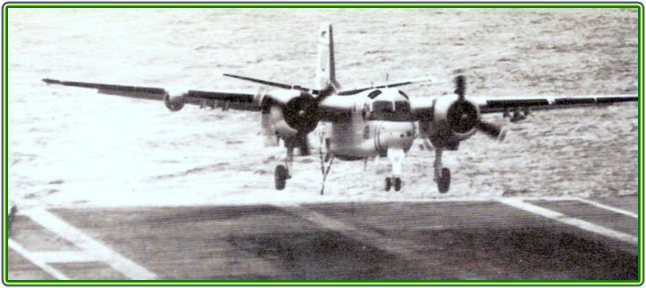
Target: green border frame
[(5, 207)]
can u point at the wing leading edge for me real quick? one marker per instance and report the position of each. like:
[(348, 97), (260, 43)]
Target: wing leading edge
[(498, 104), (424, 107), (226, 99)]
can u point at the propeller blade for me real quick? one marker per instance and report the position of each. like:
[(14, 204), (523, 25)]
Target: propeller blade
[(460, 86), (492, 130), (325, 92)]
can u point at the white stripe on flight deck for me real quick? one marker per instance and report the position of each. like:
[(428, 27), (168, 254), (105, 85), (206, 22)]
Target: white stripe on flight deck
[(609, 208), (90, 246), (65, 256), (41, 263), (520, 204)]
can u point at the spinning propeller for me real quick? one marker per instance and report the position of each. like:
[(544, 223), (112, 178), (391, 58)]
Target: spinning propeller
[(464, 114)]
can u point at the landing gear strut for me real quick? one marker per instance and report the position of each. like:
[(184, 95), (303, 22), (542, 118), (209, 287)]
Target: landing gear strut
[(327, 157), (442, 175), (396, 157)]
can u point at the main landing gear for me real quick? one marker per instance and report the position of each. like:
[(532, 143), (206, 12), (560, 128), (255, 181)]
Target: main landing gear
[(282, 174), (280, 177), (442, 175), (396, 157)]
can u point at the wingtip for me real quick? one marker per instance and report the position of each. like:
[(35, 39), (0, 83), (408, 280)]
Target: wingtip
[(51, 81)]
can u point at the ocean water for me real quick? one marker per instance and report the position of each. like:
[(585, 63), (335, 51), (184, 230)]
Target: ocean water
[(70, 146)]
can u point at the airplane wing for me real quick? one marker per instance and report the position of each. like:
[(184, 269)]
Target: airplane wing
[(273, 84), (498, 104), (227, 99), (386, 85), (424, 107)]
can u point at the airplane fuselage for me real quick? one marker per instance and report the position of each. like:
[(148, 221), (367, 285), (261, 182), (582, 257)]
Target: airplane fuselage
[(380, 119)]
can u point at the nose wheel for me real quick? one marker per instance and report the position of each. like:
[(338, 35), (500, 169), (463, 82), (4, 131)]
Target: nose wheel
[(393, 182)]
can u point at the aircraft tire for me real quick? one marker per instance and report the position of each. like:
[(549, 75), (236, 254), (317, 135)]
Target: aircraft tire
[(398, 184), (280, 177), (444, 183), (388, 184)]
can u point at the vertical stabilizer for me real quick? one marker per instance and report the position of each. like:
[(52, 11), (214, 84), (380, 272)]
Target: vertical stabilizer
[(325, 74)]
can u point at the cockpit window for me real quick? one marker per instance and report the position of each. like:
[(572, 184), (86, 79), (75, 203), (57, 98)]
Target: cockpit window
[(403, 94), (402, 106), (374, 94), (382, 107), (386, 111)]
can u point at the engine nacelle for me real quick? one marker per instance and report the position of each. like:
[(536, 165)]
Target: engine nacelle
[(292, 112), (174, 103), (459, 117)]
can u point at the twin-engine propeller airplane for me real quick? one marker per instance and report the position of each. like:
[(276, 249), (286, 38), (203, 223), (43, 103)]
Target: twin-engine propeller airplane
[(361, 123)]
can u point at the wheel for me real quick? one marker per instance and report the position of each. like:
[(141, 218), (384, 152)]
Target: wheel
[(388, 184), (445, 181), (280, 177), (398, 184)]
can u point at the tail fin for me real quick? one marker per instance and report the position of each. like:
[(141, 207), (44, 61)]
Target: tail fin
[(325, 74)]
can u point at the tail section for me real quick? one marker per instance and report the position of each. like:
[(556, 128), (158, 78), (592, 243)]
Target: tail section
[(325, 74)]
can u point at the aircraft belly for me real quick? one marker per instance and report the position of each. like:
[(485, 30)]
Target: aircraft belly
[(353, 140)]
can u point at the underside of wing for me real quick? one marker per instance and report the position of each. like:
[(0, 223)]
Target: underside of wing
[(248, 100)]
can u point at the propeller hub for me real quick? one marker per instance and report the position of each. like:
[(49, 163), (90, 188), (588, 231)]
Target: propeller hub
[(462, 117), (301, 113)]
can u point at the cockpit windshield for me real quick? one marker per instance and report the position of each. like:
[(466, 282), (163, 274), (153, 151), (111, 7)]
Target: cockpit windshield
[(390, 111), (402, 106), (382, 107)]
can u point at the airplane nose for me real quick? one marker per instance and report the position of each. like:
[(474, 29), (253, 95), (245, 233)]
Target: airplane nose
[(395, 135)]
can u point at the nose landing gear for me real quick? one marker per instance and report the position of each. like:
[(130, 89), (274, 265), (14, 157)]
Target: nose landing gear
[(393, 182), (396, 157)]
